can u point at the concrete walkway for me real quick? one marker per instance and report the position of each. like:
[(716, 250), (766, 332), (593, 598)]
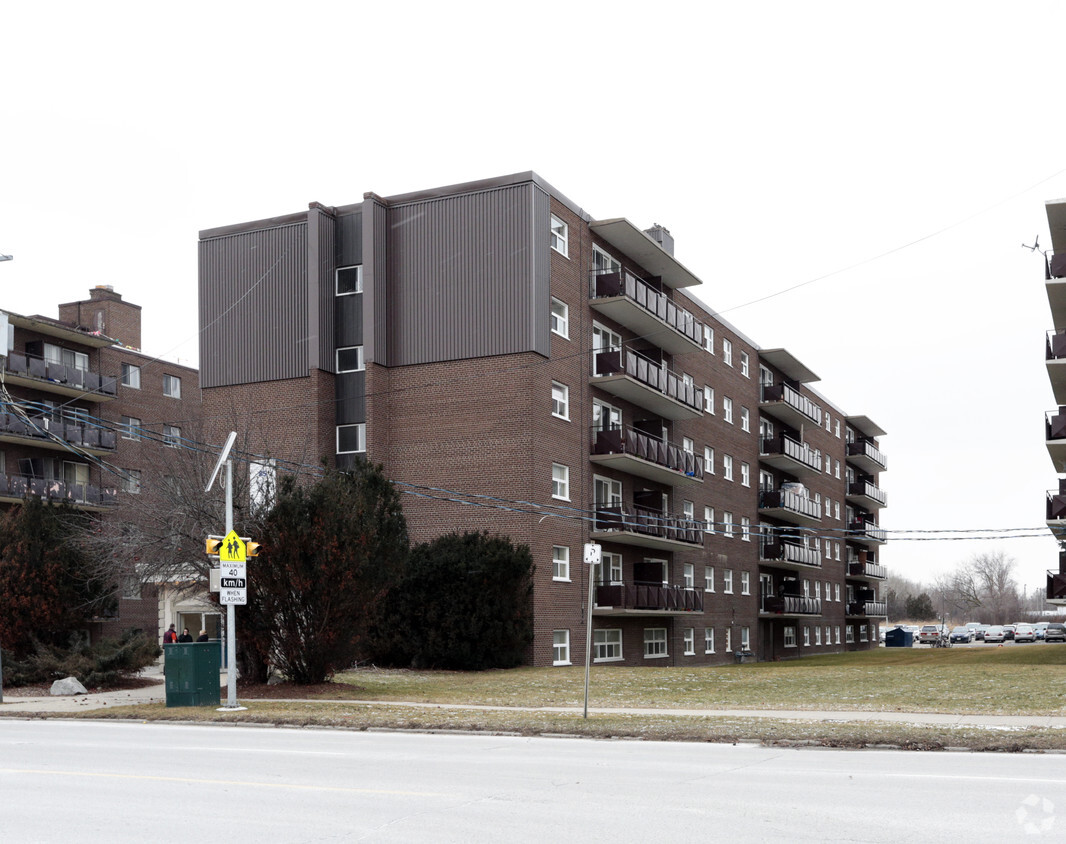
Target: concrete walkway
[(56, 705)]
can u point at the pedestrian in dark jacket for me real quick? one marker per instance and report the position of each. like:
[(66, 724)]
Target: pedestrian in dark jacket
[(171, 636), (185, 635)]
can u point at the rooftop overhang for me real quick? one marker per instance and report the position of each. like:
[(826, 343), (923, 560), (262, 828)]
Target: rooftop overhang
[(1056, 221), (865, 425), (60, 331), (635, 244), (788, 364)]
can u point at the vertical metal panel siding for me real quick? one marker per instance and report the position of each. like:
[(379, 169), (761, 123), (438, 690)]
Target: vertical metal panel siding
[(375, 284), (323, 288), (348, 320), (461, 277), (541, 268), (350, 239), (253, 306), (351, 398)]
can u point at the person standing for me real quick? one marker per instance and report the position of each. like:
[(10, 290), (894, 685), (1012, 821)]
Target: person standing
[(203, 637), (171, 636), (185, 635)]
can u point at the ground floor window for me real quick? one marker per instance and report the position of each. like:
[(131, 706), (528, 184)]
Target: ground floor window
[(837, 631), (655, 642), (850, 634), (708, 640), (745, 639), (806, 636), (790, 636), (607, 645), (862, 632), (690, 641), (561, 647)]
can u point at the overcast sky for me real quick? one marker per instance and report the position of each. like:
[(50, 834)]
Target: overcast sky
[(895, 156)]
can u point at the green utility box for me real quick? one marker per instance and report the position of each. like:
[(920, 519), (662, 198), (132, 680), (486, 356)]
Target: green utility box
[(191, 671)]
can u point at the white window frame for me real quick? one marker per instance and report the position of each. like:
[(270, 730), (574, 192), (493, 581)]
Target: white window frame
[(656, 643), (836, 589), (745, 365), (560, 236), (708, 640), (131, 428), (745, 639), (360, 432), (690, 641), (790, 635), (862, 633), (745, 419), (806, 635), (727, 466), (836, 630), (708, 399), (131, 481), (745, 583), (171, 386), (560, 647), (607, 641), (560, 318), (727, 524), (560, 482), (849, 634), (727, 352), (708, 579), (745, 531), (708, 339), (708, 460), (560, 401), (729, 640), (727, 409), (357, 287), (131, 376), (561, 562), (171, 435), (359, 365), (708, 520), (817, 636), (745, 474), (727, 581), (689, 575)]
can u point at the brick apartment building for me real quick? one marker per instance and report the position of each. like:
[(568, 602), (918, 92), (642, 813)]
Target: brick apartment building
[(84, 414), (1055, 420), (523, 368)]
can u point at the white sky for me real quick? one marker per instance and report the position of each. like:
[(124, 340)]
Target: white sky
[(778, 141)]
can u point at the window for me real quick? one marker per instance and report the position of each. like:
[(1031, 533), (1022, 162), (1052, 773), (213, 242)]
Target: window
[(828, 635), (171, 435), (790, 636), (131, 376), (727, 352), (708, 399), (560, 482), (688, 509), (131, 480), (606, 645), (612, 563), (727, 581), (744, 370), (351, 439), (560, 647), (727, 410), (862, 632), (350, 359), (708, 339), (560, 562), (604, 263), (837, 466), (850, 634), (606, 492), (836, 550), (172, 386), (560, 236), (131, 428), (745, 535), (654, 642), (708, 578), (690, 575), (817, 635), (806, 636), (603, 340), (727, 466), (560, 318), (690, 641), (836, 630), (708, 460), (605, 417), (745, 583), (836, 588), (745, 639), (836, 510), (708, 640), (837, 427), (708, 520), (687, 445), (349, 280), (828, 420), (727, 524), (560, 400), (745, 419), (729, 640), (745, 474)]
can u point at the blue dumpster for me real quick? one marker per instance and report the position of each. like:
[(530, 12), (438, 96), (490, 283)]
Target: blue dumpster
[(899, 638)]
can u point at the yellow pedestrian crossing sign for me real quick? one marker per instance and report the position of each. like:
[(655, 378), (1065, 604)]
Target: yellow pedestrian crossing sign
[(233, 549)]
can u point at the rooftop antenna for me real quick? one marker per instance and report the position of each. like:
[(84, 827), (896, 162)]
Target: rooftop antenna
[(1035, 246)]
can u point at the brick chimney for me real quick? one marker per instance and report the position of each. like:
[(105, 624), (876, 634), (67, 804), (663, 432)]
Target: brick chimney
[(105, 312)]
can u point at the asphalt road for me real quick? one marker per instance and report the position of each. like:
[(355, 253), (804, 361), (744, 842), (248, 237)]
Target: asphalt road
[(117, 782)]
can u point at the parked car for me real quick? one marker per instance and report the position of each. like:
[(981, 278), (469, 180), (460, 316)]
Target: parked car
[(962, 634), (1024, 633), (1040, 627), (929, 634), (1055, 632), (1008, 632), (995, 633), (979, 632)]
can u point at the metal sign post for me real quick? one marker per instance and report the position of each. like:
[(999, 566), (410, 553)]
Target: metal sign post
[(593, 556)]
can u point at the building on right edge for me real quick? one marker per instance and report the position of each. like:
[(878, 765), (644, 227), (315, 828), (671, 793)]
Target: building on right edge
[(1055, 420)]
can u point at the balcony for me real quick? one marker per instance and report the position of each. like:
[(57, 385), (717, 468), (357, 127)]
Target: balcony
[(1055, 360), (14, 488), (866, 532), (638, 306), (641, 454), (646, 528), (644, 382), (867, 608), (860, 568), (1055, 433), (1056, 510), (867, 456), (788, 404), (15, 429), (790, 455), (646, 599), (30, 371), (790, 554), (867, 494), (1056, 588), (790, 605), (789, 506)]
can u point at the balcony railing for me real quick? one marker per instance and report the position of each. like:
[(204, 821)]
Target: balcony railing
[(19, 486), (791, 397), (868, 608), (858, 568), (68, 379), (790, 552), (791, 605), (634, 443), (1056, 345), (652, 302), (785, 446), (863, 451), (651, 376), (643, 521), (863, 530), (72, 432), (1056, 586), (1056, 506), (1055, 424), (865, 489), (641, 596), (790, 502)]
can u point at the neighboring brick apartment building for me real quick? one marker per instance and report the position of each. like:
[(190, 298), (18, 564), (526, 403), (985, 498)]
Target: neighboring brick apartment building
[(1055, 420), (83, 416), (525, 369)]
